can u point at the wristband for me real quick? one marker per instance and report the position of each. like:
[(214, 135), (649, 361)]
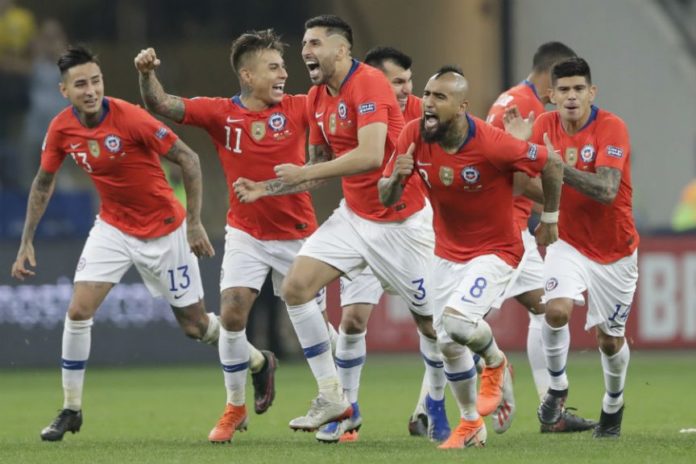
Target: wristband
[(549, 217)]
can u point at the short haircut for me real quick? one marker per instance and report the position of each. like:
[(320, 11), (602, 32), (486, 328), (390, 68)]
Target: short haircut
[(549, 54), (378, 55), (75, 55), (254, 42), (333, 25), (569, 68), (449, 68)]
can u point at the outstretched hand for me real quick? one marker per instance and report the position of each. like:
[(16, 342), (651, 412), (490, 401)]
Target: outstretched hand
[(517, 126)]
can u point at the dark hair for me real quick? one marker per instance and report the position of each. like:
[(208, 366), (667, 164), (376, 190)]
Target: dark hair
[(549, 54), (253, 42), (449, 68), (571, 67), (378, 55), (75, 55), (333, 25)]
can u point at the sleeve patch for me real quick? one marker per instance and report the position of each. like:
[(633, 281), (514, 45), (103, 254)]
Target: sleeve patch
[(365, 108), (615, 152), (161, 133), (532, 152)]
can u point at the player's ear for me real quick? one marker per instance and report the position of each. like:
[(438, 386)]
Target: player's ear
[(63, 89), (593, 93), (463, 107), (245, 76), (551, 95)]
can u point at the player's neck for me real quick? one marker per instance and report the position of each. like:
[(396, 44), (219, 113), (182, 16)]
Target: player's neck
[(252, 103), (91, 120), (455, 137), (538, 82), (573, 127), (339, 75)]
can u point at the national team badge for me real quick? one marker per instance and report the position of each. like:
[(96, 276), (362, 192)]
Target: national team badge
[(470, 175), (551, 284), (342, 110), (81, 263), (587, 154), (93, 146), (277, 122), (112, 143), (446, 175), (332, 123), (571, 156), (258, 130)]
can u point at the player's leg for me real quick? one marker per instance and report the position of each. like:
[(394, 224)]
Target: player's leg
[(102, 264), (610, 296), (531, 300)]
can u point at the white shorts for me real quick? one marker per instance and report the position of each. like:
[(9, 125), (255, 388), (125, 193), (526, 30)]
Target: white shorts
[(610, 287), (365, 289), (399, 253), (472, 288), (248, 261), (531, 275), (166, 264)]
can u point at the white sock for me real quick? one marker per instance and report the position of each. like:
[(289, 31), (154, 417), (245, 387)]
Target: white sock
[(556, 346), (350, 358), (234, 357), (434, 369), (313, 335), (212, 333), (425, 387), (77, 338), (461, 375), (256, 359), (615, 368), (536, 355), (333, 336)]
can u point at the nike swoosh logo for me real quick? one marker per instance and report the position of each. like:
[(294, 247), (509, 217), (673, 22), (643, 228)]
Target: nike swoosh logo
[(418, 163), (176, 297), (69, 364), (466, 300), (75, 145), (230, 120), (318, 115)]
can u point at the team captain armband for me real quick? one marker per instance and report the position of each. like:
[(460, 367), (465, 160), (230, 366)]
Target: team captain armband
[(549, 217)]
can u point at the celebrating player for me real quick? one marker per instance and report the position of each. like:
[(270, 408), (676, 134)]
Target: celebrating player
[(139, 223), (468, 169), (597, 251)]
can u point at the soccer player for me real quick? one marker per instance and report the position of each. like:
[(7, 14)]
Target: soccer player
[(468, 168), (252, 132), (139, 223), (530, 97), (597, 250), (355, 118), (396, 66)]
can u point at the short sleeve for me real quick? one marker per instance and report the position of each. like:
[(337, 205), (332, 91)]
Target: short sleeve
[(507, 153), (613, 141), (199, 111), (370, 97), (150, 132), (52, 155)]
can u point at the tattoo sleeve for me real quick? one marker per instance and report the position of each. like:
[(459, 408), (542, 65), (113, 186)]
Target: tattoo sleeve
[(317, 154), (187, 159), (551, 182), (41, 191), (601, 185), (157, 100)]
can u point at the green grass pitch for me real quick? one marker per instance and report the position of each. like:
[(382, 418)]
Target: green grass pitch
[(163, 414)]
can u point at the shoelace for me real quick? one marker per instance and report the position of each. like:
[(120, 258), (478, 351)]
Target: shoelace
[(230, 418), (63, 416)]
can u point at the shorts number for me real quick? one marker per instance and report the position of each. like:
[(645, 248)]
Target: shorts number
[(623, 316), (184, 280), (421, 289), (477, 289)]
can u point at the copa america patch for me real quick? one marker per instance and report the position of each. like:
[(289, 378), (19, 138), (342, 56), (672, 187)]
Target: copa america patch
[(161, 133), (532, 152), (277, 122), (615, 152), (342, 110), (551, 284), (587, 153), (112, 143), (367, 108), (81, 264), (470, 175)]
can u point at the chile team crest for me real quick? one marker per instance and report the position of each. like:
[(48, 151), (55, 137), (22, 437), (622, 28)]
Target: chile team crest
[(112, 143), (470, 175), (587, 154), (277, 122), (342, 110)]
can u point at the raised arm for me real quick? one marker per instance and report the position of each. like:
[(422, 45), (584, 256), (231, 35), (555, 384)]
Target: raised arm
[(187, 159), (367, 156), (151, 90), (602, 185), (249, 191), (41, 190)]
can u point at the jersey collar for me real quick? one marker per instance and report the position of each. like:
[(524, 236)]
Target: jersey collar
[(353, 67), (593, 116), (471, 134), (237, 100), (105, 107), (532, 87)]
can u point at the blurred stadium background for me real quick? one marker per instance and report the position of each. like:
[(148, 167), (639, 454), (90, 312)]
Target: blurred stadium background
[(643, 57)]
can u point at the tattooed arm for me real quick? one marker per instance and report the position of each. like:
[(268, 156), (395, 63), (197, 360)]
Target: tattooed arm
[(187, 159), (602, 185), (249, 191), (151, 90), (41, 191)]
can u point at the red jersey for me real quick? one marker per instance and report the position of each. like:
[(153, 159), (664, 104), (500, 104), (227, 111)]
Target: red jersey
[(365, 97), (471, 190), (414, 108), (249, 144), (524, 97), (603, 233), (121, 155)]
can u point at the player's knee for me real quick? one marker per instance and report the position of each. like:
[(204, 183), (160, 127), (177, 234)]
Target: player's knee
[(354, 322), (425, 325), (557, 315), (451, 350), (193, 320), (234, 309), (608, 344), (295, 292), (78, 311), (461, 330)]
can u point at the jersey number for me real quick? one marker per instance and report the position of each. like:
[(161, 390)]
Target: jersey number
[(238, 139), (81, 160)]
